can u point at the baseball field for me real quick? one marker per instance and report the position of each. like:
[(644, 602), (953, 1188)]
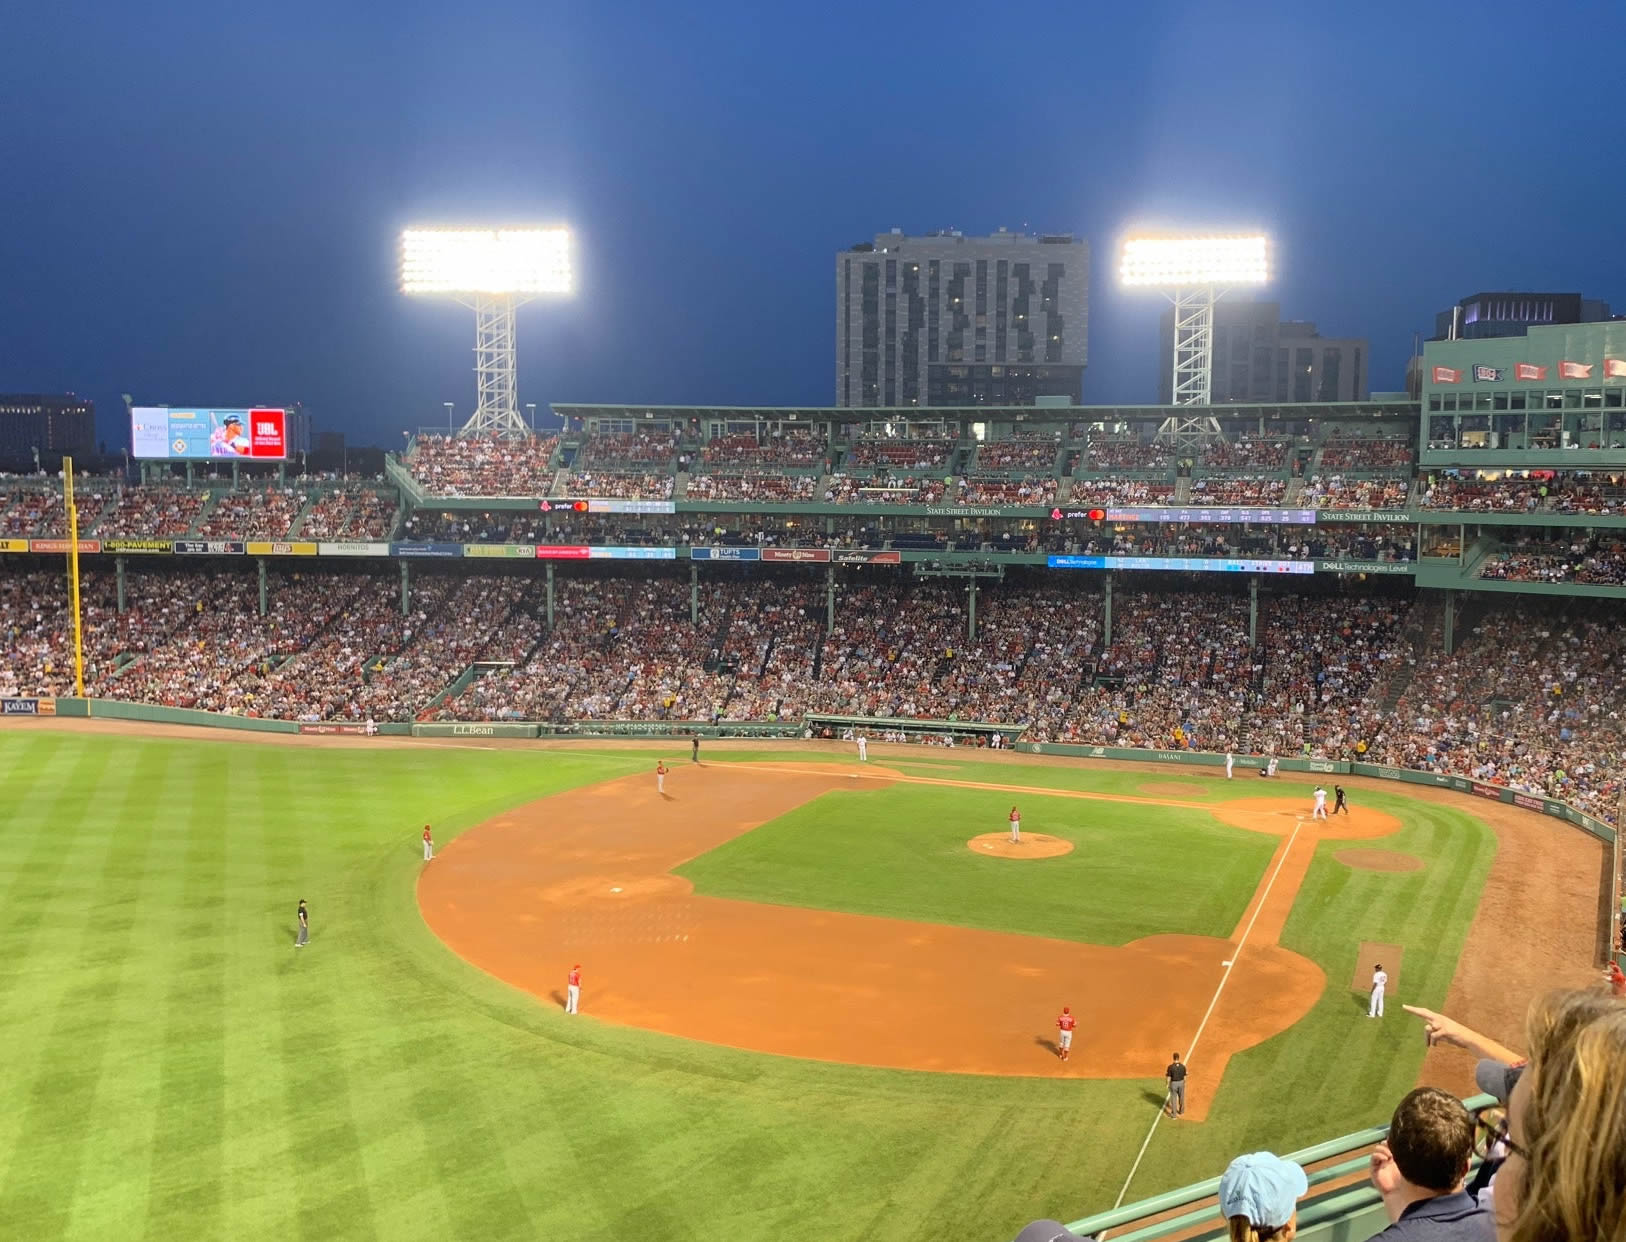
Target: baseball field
[(813, 1004)]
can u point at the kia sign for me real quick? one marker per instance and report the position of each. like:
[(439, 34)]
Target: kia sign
[(165, 433)]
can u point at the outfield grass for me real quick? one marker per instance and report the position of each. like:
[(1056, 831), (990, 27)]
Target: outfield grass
[(901, 851), (175, 1069)]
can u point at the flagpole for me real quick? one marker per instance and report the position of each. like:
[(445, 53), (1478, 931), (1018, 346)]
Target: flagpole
[(73, 576)]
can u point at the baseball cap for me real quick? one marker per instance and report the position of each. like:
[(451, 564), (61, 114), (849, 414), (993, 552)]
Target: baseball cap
[(1049, 1231), (1262, 1187), (1497, 1078)]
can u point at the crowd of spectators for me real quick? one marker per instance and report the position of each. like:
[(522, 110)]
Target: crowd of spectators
[(1127, 454), (1530, 699), (263, 513), (1245, 490), (993, 490), (1589, 561), (503, 526), (900, 453), (38, 511), (620, 485), (350, 513), (1386, 543), (1373, 453), (1244, 454), (483, 465), (1120, 492), (1023, 453), (883, 489), (1335, 491), (755, 486), (794, 449), (1581, 491), (628, 450), (151, 512)]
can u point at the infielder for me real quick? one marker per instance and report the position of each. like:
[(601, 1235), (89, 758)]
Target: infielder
[(1230, 762), (1065, 1025), (660, 776), (1320, 811), (863, 749), (573, 989), (1016, 827), (1270, 768), (428, 844), (1380, 980)]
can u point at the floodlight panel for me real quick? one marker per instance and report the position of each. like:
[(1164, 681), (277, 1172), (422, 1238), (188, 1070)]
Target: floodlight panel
[(1194, 260), (515, 261)]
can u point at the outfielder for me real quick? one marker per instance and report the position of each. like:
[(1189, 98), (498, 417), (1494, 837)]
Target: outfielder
[(1380, 980), (428, 844), (1016, 827), (863, 749), (660, 776), (1230, 762), (1320, 811), (1065, 1025)]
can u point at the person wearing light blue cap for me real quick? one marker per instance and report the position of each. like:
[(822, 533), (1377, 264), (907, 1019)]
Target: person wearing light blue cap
[(1258, 1196)]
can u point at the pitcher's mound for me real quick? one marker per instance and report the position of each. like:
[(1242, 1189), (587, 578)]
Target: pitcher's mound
[(1032, 845)]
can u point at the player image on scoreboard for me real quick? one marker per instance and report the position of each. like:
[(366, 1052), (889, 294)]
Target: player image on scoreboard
[(228, 438)]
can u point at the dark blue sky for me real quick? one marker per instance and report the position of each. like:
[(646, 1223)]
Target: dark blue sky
[(201, 204)]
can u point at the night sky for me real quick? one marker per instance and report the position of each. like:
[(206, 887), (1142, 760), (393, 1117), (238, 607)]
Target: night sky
[(201, 201)]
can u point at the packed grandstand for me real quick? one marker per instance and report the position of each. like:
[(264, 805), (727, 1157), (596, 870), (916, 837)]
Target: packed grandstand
[(1451, 620)]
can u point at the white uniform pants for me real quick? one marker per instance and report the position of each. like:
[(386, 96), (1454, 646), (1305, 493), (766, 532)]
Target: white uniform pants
[(573, 996), (428, 850), (1016, 830), (1375, 1009)]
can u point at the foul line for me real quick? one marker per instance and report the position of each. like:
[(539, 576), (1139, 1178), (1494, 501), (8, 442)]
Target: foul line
[(1224, 979)]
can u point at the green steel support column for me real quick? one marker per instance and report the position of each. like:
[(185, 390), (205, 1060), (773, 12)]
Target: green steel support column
[(1450, 622), (189, 474), (235, 479), (282, 474), (263, 607), (406, 591), (830, 600), (1253, 610), (550, 591), (971, 612), (118, 565), (1107, 629), (694, 594)]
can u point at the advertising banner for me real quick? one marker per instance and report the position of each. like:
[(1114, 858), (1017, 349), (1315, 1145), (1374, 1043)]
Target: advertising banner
[(24, 707), (59, 547), (1365, 567), (1182, 564), (209, 547), (165, 546), (631, 506), (501, 551), (1213, 514), (1493, 792), (13, 545), (867, 558), (632, 554), (492, 729), (436, 551), (162, 433), (562, 552), (353, 549), (300, 547), (1529, 803), (723, 554), (1331, 517), (797, 556), (334, 728)]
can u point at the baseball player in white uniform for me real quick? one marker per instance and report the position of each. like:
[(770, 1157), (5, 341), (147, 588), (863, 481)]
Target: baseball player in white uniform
[(863, 749), (1320, 811), (1270, 768), (1230, 762), (1380, 980)]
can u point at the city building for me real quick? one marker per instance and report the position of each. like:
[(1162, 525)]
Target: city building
[(1482, 315), (1260, 358), (37, 429), (950, 320)]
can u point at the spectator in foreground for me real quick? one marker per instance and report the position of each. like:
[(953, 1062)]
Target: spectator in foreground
[(1564, 1179), (1258, 1196), (1420, 1168)]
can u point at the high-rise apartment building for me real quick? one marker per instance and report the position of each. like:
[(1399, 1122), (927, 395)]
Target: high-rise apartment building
[(1260, 358), (36, 429), (1484, 315), (950, 320)]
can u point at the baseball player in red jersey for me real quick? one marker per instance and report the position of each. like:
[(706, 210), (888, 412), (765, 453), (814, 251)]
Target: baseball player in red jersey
[(1065, 1025), (1016, 827), (573, 989), (428, 844), (660, 776)]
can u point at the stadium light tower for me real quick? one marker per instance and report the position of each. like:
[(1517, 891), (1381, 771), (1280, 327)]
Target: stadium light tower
[(493, 271), (1193, 270)]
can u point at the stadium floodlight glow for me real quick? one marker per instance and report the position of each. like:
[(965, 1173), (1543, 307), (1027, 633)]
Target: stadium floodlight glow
[(1185, 262), (472, 261), (1194, 270), (492, 271)]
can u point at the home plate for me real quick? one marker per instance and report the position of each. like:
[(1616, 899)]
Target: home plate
[(617, 889)]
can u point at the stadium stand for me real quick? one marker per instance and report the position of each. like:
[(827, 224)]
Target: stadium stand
[(485, 465)]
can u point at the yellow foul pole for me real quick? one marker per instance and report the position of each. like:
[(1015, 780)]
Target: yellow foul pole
[(73, 576)]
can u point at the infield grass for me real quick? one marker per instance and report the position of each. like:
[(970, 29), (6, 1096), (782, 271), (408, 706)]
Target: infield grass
[(175, 1069)]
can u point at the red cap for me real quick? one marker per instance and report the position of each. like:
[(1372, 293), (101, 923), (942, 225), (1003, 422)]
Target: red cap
[(1065, 1009), (577, 966)]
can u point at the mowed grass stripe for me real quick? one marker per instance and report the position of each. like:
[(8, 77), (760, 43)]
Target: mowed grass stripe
[(54, 1091)]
